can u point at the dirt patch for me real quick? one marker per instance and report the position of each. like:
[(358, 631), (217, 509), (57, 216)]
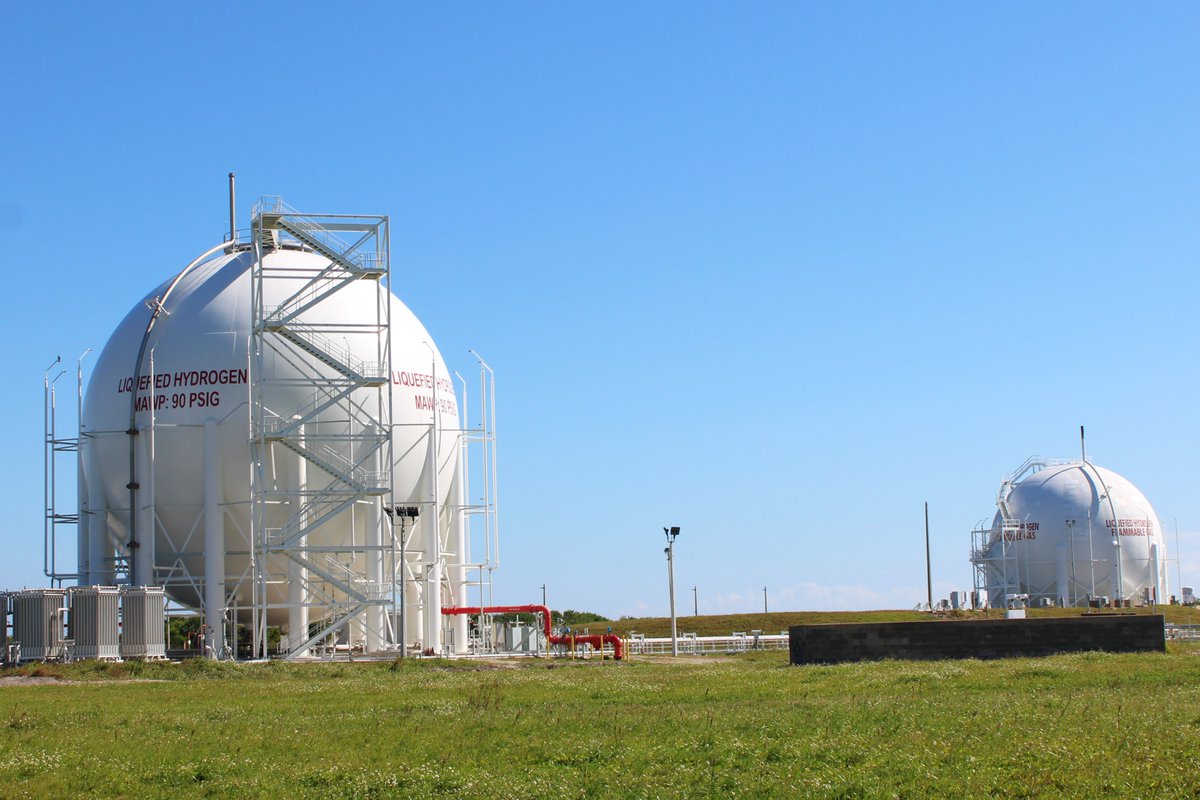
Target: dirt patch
[(26, 680), (479, 666), (42, 680), (667, 658)]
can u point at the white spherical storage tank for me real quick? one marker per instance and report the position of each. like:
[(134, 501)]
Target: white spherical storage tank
[(1066, 533), (242, 462)]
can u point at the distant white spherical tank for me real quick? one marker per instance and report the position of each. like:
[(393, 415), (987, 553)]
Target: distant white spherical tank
[(200, 352), (1076, 531)]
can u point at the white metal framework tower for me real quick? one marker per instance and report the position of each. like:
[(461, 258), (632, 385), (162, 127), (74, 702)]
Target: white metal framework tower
[(57, 449), (339, 436), (281, 509), (477, 455), (996, 569)]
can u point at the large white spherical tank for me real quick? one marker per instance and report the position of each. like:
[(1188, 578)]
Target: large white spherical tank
[(200, 352), (1077, 531)]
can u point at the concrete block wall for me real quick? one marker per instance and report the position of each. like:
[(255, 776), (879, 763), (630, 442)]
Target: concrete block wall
[(992, 638)]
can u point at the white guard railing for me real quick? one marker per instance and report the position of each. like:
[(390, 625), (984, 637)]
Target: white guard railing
[(1182, 633), (691, 644)]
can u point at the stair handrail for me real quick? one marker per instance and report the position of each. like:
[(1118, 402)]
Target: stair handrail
[(321, 236), (301, 520), (274, 204), (356, 472), (340, 353)]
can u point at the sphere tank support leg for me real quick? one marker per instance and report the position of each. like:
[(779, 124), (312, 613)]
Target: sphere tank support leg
[(374, 558), (297, 573), (214, 545), (143, 555), (458, 573), (100, 555)]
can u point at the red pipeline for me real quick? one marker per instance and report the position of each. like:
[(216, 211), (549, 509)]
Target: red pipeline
[(596, 640)]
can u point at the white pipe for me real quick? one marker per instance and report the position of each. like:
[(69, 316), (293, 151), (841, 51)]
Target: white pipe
[(488, 405), (84, 528), (48, 468), (233, 236), (142, 556), (375, 622), (84, 569), (157, 308), (433, 528), (458, 573), (1116, 534), (1178, 566), (495, 467), (464, 475), (100, 549), (486, 466), (298, 573), (1157, 577), (214, 544), (149, 543)]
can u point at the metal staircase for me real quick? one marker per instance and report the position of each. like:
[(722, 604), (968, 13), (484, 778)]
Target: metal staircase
[(325, 350), (339, 435), (333, 463), (996, 569), (322, 240)]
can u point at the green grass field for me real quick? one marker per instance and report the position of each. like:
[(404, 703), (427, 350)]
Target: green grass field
[(723, 625), (1085, 725)]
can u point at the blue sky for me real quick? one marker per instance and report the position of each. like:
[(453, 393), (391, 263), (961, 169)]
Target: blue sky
[(775, 273)]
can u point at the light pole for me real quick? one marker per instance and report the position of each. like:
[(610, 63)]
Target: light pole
[(670, 551), (549, 618), (402, 514), (928, 570), (1178, 568)]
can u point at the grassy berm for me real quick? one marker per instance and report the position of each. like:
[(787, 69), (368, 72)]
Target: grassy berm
[(1090, 725), (724, 624)]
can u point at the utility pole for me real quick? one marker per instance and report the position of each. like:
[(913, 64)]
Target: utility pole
[(1178, 568), (696, 601), (764, 600), (928, 572), (670, 551), (1116, 522)]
